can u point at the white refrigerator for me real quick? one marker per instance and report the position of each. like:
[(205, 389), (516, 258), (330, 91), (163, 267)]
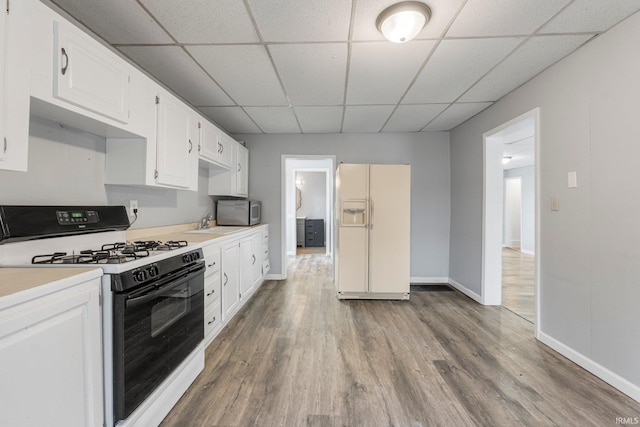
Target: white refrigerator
[(373, 228)]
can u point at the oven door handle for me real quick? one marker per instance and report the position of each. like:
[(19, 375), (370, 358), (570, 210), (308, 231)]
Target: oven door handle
[(165, 285)]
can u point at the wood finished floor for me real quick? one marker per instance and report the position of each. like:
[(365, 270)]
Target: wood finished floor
[(297, 356), (518, 283)]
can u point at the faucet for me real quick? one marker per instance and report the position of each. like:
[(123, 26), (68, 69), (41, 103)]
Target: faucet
[(204, 222)]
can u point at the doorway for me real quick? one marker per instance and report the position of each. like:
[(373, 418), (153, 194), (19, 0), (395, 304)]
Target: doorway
[(511, 217), (292, 165)]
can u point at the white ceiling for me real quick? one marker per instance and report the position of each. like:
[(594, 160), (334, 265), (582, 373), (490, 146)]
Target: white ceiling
[(320, 66)]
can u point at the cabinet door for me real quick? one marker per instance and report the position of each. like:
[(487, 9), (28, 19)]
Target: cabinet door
[(230, 279), (209, 147), (51, 360), (173, 144), (226, 149), (390, 223), (242, 171), (258, 258), (88, 75), (248, 261), (15, 75)]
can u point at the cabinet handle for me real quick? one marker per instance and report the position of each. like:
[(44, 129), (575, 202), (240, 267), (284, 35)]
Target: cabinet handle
[(66, 61), (190, 146), (211, 293), (239, 167), (221, 148), (226, 279), (212, 264), (213, 320), (254, 259)]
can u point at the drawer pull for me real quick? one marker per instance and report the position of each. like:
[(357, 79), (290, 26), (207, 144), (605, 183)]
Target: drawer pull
[(211, 293), (212, 264), (211, 321)]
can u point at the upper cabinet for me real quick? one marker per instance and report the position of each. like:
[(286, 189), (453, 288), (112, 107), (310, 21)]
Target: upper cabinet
[(15, 33), (88, 75), (236, 181), (215, 146), (177, 131)]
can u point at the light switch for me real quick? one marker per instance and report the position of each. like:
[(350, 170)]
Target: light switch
[(555, 203), (573, 179)]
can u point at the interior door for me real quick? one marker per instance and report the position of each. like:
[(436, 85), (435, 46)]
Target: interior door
[(390, 228)]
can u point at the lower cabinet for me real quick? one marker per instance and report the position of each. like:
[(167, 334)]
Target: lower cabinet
[(230, 279), (235, 270), (51, 353)]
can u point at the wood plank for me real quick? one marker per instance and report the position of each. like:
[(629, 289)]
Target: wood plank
[(295, 355)]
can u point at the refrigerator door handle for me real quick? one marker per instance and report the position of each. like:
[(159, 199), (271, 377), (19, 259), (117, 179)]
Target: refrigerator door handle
[(371, 215)]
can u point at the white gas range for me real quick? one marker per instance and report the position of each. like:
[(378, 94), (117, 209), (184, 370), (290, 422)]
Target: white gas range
[(152, 292)]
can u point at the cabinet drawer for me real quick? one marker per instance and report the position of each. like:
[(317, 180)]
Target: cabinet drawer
[(211, 259), (212, 319), (211, 289), (265, 267)]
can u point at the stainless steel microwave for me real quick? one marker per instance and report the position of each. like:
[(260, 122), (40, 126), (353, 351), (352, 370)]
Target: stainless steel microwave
[(238, 212)]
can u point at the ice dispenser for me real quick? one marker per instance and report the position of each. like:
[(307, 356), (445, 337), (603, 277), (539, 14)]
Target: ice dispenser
[(353, 213)]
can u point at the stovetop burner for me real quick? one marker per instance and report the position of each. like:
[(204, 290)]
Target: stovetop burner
[(111, 253)]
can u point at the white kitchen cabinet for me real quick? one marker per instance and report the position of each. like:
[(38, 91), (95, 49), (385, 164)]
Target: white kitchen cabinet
[(213, 143), (212, 298), (168, 157), (251, 266), (230, 279), (266, 266), (227, 145), (234, 182), (16, 42), (174, 141), (51, 359), (88, 75)]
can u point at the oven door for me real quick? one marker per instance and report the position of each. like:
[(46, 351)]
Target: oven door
[(155, 328)]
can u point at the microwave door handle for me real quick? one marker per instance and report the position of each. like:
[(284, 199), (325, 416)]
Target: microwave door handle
[(165, 285)]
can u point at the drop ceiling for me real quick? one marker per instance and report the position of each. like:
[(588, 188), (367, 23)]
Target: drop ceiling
[(320, 66)]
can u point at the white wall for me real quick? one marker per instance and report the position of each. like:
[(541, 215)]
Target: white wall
[(589, 251), (427, 152), (66, 166), (314, 195), (528, 206)]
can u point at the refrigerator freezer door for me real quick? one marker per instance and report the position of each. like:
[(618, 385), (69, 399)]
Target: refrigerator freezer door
[(389, 239), (353, 263)]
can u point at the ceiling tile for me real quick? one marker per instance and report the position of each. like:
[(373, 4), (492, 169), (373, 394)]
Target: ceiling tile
[(204, 21), (366, 119), (527, 61), (312, 74), (412, 118), (274, 119), (302, 20), (320, 119), (173, 67), (455, 66), (367, 11), (380, 73), (503, 17), (244, 71), (231, 119), (456, 114), (591, 15), (116, 21)]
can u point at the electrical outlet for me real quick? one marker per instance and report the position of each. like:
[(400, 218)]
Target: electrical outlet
[(133, 204)]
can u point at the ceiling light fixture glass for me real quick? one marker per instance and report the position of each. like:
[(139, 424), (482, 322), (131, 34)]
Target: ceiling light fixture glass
[(403, 21), (505, 160)]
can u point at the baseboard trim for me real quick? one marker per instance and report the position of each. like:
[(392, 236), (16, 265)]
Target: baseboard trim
[(625, 386), (528, 252), (429, 280), (465, 291), (274, 277)]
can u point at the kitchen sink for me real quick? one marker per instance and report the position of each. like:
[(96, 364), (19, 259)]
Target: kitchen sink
[(219, 230)]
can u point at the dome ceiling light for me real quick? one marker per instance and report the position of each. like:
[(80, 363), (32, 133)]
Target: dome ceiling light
[(403, 21)]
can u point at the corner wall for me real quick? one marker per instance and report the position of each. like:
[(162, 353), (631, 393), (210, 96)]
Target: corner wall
[(589, 251)]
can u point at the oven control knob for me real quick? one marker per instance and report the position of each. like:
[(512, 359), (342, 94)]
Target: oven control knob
[(139, 275), (153, 271)]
